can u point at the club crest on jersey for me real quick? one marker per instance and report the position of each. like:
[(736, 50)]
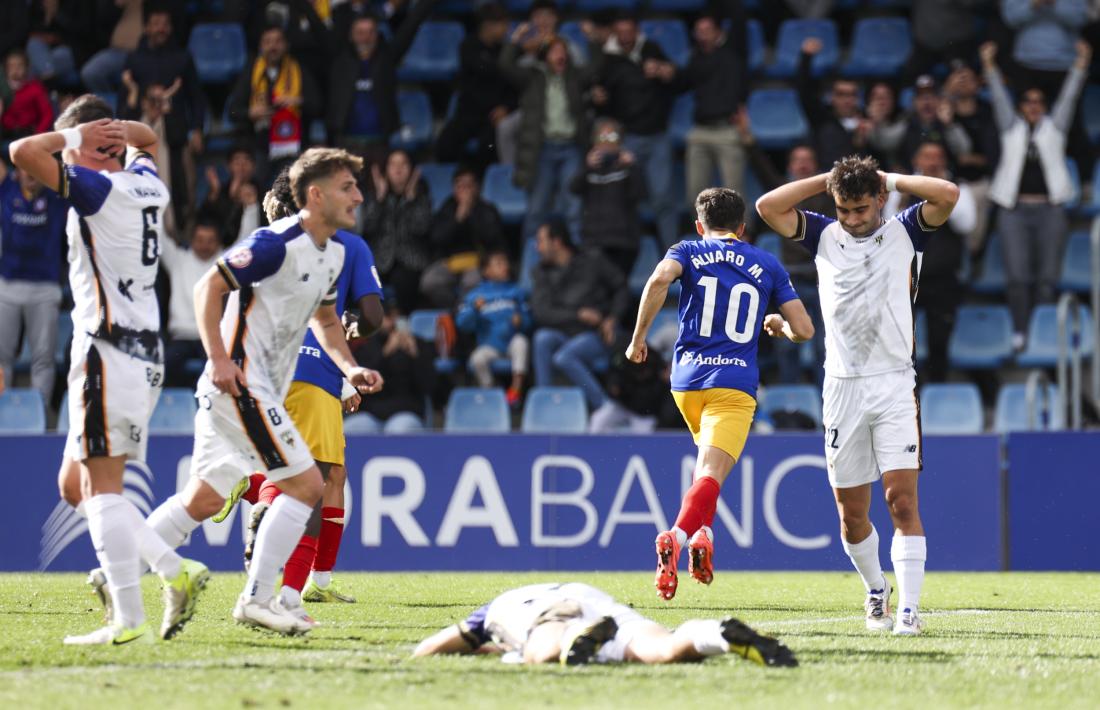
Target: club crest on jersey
[(240, 258), (878, 240)]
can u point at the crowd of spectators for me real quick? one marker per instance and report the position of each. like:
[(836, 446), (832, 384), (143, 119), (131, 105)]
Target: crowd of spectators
[(989, 97)]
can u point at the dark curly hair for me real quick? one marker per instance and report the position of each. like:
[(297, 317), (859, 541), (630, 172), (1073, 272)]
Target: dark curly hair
[(720, 208), (853, 178), (279, 200)]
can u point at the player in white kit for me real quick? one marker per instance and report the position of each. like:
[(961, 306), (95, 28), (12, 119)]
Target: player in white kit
[(278, 281), (575, 624), (868, 269), (114, 231)]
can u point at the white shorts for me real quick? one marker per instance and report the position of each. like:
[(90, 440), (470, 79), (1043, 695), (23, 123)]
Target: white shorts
[(596, 604), (872, 425), (236, 436), (111, 398)]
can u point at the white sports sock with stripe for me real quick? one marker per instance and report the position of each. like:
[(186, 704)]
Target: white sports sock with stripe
[(172, 522), (283, 526), (111, 527)]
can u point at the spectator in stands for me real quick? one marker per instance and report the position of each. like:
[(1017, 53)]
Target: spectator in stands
[(32, 233), (496, 312), (396, 219), (237, 208), (103, 71), (961, 90), (362, 91), (305, 25), (151, 105), (184, 266), (635, 87), (275, 98), (932, 120), (1032, 184), (942, 30), (577, 302), (552, 129), (840, 129), (543, 24), (58, 29), (940, 289), (717, 74), (484, 98), (888, 123), (611, 187), (159, 59), (464, 230), (28, 111), (406, 363), (636, 392), (14, 24)]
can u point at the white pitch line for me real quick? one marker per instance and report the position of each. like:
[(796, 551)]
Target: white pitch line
[(838, 619)]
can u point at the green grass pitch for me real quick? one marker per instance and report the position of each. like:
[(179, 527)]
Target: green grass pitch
[(991, 640)]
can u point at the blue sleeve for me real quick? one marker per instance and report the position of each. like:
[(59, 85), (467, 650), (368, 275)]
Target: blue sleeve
[(85, 189), (782, 289), (473, 629), (524, 310), (810, 227), (678, 253), (466, 318), (364, 277), (260, 255), (915, 226), (143, 164)]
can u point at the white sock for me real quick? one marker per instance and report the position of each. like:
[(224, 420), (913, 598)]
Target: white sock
[(283, 526), (908, 553), (290, 597), (152, 548), (707, 531), (681, 536), (864, 555), (110, 527), (321, 579), (705, 635), (171, 521)]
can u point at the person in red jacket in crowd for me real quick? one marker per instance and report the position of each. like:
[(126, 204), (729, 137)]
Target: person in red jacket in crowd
[(28, 111)]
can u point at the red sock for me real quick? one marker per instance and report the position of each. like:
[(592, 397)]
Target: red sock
[(255, 482), (301, 560), (332, 529), (699, 505), (269, 492)]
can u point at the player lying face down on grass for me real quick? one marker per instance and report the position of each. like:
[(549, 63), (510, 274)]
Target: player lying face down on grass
[(575, 624)]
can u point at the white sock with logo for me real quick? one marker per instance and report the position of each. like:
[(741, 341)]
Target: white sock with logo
[(864, 556), (172, 522), (705, 635), (908, 553), (110, 526), (283, 526)]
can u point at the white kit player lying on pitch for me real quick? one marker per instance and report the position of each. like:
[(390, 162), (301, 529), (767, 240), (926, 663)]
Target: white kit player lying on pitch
[(867, 271), (574, 624), (114, 230), (278, 281)]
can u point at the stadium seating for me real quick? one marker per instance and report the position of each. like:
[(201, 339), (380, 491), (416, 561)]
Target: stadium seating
[(754, 33), (1074, 204), (499, 189), (555, 410), (777, 118), (982, 338), (798, 398), (769, 242), (951, 408), (63, 414), (1011, 411), (218, 50), (423, 324), (649, 254), (22, 411), (880, 47), (174, 413), (596, 5), (1042, 337), (788, 46), (415, 114), (362, 423), (438, 176), (1090, 111), (671, 36), (992, 278), (677, 5), (1077, 263), (477, 410), (433, 55), (403, 423), (682, 118)]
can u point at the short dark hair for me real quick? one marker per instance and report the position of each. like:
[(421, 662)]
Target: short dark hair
[(853, 178), (491, 12), (720, 208), (208, 221), (83, 109), (156, 7), (544, 5), (316, 164), (279, 200), (557, 231), (488, 255), (466, 169)]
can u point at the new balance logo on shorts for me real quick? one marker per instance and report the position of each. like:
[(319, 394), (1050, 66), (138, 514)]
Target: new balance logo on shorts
[(911, 449)]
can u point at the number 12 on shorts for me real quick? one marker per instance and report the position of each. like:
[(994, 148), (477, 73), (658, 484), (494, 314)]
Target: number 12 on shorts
[(830, 438)]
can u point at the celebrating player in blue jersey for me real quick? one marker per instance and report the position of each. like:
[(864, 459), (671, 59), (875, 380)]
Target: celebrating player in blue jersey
[(726, 287)]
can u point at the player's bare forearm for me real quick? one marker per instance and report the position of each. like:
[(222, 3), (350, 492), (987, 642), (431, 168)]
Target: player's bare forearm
[(329, 332), (444, 641), (653, 296), (35, 155), (210, 292), (939, 196), (777, 207), (798, 327), (140, 137)]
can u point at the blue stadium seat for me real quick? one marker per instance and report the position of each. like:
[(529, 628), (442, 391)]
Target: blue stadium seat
[(175, 412), (1074, 202), (677, 5), (218, 50), (362, 423), (423, 324), (528, 260), (1090, 205), (754, 33), (477, 410), (1077, 263), (403, 423), (1090, 111), (415, 114), (22, 411), (1042, 337), (438, 176), (982, 338), (769, 242), (920, 325), (777, 118), (572, 31), (880, 47), (797, 398), (499, 189), (649, 254), (682, 118), (788, 46), (433, 55), (753, 190), (1011, 412), (951, 408), (555, 410), (668, 317), (671, 36), (992, 278)]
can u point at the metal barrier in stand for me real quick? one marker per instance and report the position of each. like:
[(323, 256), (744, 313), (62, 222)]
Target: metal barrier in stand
[(1037, 392), (1070, 329)]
